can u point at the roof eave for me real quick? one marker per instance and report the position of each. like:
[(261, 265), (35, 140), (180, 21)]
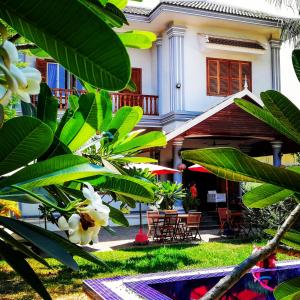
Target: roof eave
[(164, 7)]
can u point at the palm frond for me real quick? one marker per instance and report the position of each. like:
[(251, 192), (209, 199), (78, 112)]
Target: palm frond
[(294, 4)]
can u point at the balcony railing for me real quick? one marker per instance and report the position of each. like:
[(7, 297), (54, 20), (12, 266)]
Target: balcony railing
[(149, 103)]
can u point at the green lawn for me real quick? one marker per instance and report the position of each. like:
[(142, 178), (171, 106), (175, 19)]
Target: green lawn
[(64, 284)]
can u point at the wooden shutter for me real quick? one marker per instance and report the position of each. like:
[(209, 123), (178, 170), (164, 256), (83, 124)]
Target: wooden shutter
[(41, 65), (223, 78), (235, 77), (136, 77), (212, 69)]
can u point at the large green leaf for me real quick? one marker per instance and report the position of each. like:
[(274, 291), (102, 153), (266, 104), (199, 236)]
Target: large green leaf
[(21, 266), (124, 121), (136, 189), (84, 123), (109, 13), (47, 107), (288, 290), (117, 216), (137, 160), (265, 195), (296, 62), (22, 140), (40, 240), (234, 165), (148, 140), (265, 116), (290, 238), (74, 36), (22, 248), (56, 170), (1, 115), (138, 39), (282, 109), (62, 246)]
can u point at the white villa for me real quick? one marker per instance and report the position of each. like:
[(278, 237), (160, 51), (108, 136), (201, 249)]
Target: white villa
[(206, 55)]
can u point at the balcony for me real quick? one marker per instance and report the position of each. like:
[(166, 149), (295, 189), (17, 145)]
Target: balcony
[(149, 103)]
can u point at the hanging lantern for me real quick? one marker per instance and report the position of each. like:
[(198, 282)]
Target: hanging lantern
[(181, 167)]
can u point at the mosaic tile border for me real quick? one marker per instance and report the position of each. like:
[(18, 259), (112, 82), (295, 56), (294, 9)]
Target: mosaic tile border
[(140, 284)]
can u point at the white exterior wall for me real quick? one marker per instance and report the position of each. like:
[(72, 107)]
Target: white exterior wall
[(195, 55), (145, 59), (195, 67)]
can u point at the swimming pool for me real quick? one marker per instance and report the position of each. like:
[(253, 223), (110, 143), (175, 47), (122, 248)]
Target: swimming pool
[(191, 285)]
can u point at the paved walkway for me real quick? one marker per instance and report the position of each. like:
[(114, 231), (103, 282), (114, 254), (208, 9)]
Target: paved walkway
[(124, 237)]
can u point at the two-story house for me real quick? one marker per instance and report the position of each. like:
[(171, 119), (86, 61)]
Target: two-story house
[(206, 54)]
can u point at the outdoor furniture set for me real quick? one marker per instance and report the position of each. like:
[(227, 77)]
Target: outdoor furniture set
[(234, 221), (169, 225)]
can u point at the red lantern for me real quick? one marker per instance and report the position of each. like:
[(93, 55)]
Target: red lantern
[(181, 167)]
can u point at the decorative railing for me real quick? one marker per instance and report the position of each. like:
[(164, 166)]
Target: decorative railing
[(149, 103)]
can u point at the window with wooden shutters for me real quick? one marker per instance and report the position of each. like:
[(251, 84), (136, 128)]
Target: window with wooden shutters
[(227, 77)]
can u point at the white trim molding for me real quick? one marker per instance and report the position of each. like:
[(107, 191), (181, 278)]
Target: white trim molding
[(275, 64), (176, 48)]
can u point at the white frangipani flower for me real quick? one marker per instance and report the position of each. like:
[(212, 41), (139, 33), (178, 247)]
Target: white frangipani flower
[(21, 81), (84, 226)]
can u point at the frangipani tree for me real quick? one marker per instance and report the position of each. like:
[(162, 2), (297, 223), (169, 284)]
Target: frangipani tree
[(276, 184), (38, 160)]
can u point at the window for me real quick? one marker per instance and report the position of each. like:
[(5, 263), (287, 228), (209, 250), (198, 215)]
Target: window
[(227, 77)]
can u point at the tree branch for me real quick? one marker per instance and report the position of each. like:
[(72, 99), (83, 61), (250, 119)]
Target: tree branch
[(228, 281), (288, 251)]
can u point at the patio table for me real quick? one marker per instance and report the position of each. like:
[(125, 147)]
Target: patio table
[(158, 221)]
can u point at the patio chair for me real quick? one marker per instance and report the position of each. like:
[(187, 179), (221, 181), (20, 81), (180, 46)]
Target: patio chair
[(169, 228), (151, 223), (223, 218), (192, 228)]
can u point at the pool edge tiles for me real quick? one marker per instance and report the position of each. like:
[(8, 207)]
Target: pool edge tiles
[(139, 287)]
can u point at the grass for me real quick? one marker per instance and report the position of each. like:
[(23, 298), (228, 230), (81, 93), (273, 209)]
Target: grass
[(65, 284)]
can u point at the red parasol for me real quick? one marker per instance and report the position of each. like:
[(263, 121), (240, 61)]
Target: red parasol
[(198, 168), (154, 169)]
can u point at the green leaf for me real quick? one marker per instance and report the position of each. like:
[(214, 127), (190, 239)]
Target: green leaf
[(117, 216), (138, 39), (22, 248), (105, 111), (56, 148), (296, 62), (1, 115), (148, 140), (109, 13), (234, 165), (124, 121), (55, 170), (265, 116), (83, 43), (21, 266), (288, 290), (136, 160), (265, 195), (136, 189), (282, 109), (41, 240), (28, 109), (84, 123), (39, 53), (61, 245), (290, 238), (73, 102), (47, 107), (22, 140)]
